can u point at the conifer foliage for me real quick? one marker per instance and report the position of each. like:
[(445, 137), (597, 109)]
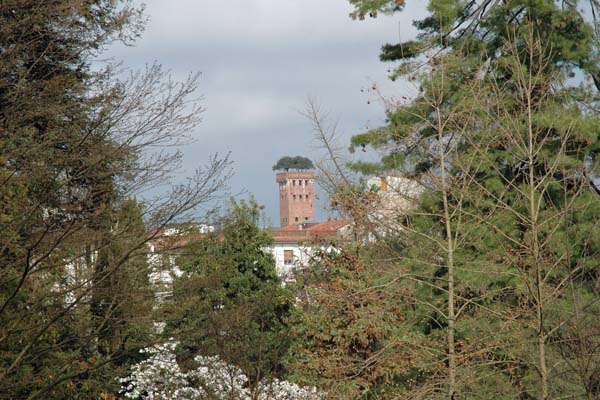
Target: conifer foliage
[(495, 268), (230, 303)]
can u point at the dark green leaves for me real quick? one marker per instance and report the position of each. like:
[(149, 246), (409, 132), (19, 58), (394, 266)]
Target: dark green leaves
[(296, 163)]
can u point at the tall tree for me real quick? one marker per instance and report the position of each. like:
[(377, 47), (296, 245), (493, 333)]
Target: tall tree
[(75, 144), (506, 149), (229, 301), (122, 300), (532, 138)]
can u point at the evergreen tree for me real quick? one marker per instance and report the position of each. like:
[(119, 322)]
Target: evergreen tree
[(229, 301), (297, 163), (58, 178), (122, 299), (496, 253)]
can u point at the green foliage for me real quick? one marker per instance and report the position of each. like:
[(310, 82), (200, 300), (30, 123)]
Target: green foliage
[(75, 305), (453, 28), (390, 52), (297, 163), (122, 298), (230, 302), (373, 7), (53, 178), (518, 146)]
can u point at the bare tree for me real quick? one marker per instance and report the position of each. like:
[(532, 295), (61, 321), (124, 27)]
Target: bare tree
[(76, 145)]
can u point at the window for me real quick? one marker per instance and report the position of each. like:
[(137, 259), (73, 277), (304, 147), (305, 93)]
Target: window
[(306, 218), (296, 219), (294, 197), (288, 257), (294, 182), (306, 182)]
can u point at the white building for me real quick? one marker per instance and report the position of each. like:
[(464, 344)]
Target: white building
[(163, 251), (397, 195), (295, 245)]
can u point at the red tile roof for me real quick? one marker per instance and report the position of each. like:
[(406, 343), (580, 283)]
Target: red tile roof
[(302, 233), (310, 232)]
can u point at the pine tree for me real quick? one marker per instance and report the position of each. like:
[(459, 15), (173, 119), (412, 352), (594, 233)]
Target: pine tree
[(506, 148)]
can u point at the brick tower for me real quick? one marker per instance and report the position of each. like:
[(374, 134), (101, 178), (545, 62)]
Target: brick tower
[(296, 197)]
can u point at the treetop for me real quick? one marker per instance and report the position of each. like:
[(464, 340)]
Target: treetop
[(298, 163)]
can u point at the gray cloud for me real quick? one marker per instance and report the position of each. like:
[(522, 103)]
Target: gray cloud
[(260, 59)]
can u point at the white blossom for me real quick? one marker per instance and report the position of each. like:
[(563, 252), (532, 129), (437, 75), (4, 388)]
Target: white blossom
[(160, 377)]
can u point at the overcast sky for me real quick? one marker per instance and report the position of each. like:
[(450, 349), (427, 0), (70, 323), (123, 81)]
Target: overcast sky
[(260, 60)]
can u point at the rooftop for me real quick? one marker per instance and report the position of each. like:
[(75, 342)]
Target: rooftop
[(311, 232)]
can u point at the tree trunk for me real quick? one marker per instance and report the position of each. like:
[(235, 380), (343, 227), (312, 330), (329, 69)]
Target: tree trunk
[(535, 249), (450, 264)]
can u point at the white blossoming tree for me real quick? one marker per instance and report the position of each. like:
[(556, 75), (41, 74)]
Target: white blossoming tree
[(160, 377)]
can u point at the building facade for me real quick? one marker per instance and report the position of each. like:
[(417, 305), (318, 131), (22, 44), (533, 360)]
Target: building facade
[(295, 246), (299, 237), (296, 197)]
